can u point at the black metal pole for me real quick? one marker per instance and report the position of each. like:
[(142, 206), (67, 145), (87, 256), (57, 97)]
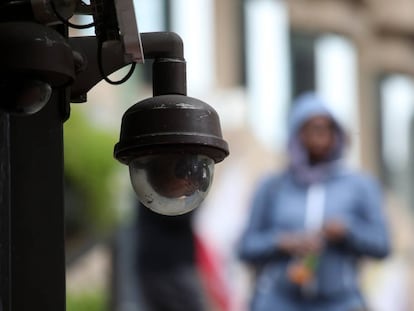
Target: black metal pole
[(32, 259), (5, 208)]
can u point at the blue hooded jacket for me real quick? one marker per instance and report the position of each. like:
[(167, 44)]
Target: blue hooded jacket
[(281, 205)]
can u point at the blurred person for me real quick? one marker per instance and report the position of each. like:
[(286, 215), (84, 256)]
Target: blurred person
[(311, 223), (168, 277)]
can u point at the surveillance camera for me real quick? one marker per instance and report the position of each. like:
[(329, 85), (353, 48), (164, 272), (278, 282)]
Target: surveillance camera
[(33, 60), (171, 144)]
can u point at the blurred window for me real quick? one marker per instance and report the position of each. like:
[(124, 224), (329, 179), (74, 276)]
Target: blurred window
[(302, 62)]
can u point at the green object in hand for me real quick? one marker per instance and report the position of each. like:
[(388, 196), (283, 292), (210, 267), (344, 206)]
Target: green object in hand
[(311, 261)]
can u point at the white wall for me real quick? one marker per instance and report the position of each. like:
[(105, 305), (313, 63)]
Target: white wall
[(194, 22), (336, 82), (397, 93), (268, 77)]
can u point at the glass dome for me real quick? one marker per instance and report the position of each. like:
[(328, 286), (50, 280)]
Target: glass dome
[(172, 184)]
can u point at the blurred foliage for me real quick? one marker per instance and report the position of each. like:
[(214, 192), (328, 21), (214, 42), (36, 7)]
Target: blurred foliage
[(87, 301), (89, 172)]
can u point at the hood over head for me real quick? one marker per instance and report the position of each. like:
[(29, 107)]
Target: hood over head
[(304, 108)]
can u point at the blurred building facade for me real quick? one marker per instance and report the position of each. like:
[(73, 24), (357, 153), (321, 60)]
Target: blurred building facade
[(359, 55), (380, 34), (250, 58), (272, 50)]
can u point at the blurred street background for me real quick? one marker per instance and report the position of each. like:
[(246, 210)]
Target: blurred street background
[(248, 59)]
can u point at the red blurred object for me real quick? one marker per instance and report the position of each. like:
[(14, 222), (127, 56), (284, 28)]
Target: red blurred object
[(209, 266)]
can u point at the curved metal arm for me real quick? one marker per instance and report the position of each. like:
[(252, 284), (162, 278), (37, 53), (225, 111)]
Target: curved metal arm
[(162, 45), (169, 72)]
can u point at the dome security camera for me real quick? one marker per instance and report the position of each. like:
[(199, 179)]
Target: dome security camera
[(34, 59), (171, 144)]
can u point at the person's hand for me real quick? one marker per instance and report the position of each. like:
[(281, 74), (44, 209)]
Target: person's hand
[(299, 273), (300, 244), (334, 231)]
